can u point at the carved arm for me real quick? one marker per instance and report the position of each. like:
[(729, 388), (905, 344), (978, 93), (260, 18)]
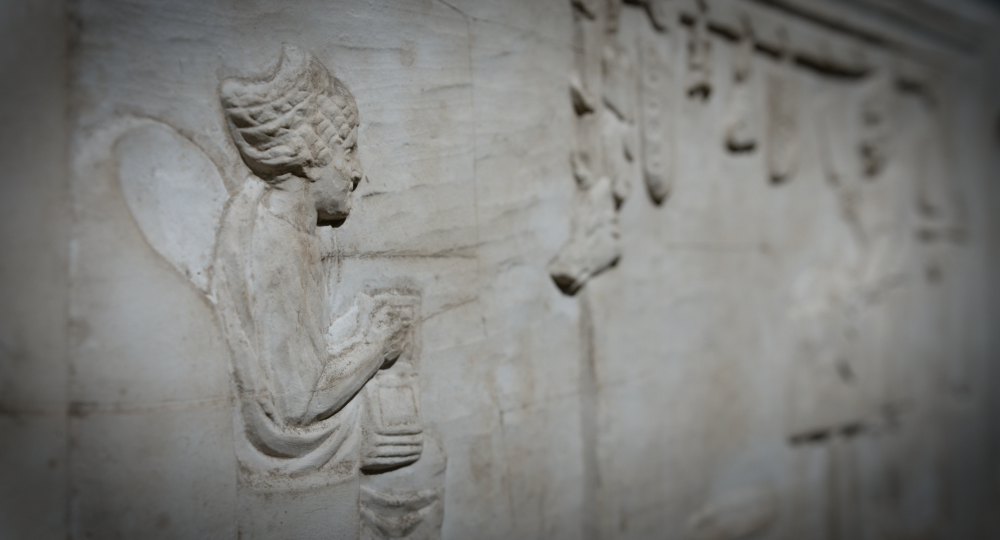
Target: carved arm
[(381, 335)]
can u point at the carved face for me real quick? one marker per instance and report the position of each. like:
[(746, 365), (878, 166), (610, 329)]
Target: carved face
[(331, 185)]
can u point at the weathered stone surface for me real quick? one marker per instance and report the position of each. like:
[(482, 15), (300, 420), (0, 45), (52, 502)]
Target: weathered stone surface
[(385, 269)]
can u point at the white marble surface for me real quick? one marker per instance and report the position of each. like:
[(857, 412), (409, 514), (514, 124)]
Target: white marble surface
[(809, 358)]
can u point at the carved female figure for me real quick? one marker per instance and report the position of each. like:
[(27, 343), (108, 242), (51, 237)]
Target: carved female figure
[(296, 376)]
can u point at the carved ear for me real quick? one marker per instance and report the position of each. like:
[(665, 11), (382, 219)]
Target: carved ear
[(175, 194)]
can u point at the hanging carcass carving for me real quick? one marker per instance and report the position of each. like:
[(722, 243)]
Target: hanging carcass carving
[(621, 93), (740, 131)]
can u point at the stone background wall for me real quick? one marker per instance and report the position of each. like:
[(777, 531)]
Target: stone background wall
[(813, 358)]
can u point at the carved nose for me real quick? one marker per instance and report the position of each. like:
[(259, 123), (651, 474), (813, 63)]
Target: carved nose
[(356, 178)]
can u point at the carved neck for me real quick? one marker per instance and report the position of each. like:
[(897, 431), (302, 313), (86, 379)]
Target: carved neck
[(292, 201)]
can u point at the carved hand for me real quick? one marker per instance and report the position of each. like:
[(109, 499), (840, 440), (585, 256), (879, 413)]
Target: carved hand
[(390, 451), (391, 323), (371, 336)]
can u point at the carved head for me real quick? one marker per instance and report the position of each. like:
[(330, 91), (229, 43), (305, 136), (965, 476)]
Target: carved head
[(299, 121)]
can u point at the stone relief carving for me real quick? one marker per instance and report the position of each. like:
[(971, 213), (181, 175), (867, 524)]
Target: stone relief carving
[(840, 138), (661, 13), (939, 204), (600, 162), (628, 128), (782, 151), (740, 134), (836, 157), (831, 301), (176, 195), (834, 299), (699, 54), (296, 376), (828, 300), (317, 400), (407, 503), (874, 140), (624, 95), (594, 245), (656, 89), (834, 404), (854, 146), (875, 155)]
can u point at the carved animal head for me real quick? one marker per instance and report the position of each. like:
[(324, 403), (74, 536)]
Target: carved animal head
[(299, 121)]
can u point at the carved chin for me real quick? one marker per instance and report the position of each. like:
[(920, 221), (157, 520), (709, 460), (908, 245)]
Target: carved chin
[(331, 219), (333, 211), (333, 215)]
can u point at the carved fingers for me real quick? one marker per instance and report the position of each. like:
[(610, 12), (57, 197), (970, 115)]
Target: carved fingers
[(391, 451), (392, 321)]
